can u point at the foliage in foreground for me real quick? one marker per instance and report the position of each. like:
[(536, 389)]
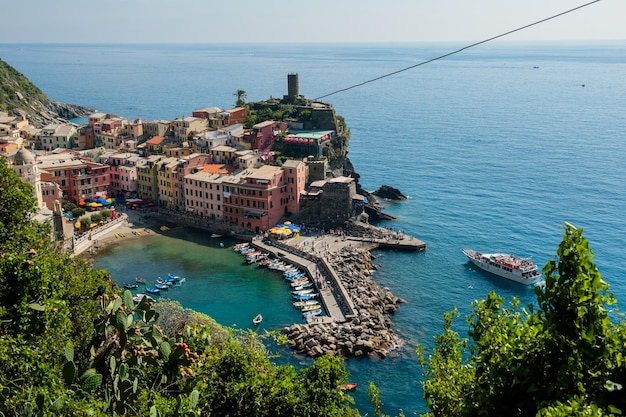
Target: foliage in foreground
[(566, 358), (73, 344)]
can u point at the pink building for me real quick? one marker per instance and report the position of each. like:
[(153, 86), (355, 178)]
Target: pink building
[(264, 134), (123, 175), (203, 194), (186, 165), (257, 199)]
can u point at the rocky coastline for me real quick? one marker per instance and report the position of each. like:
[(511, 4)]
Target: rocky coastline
[(369, 332)]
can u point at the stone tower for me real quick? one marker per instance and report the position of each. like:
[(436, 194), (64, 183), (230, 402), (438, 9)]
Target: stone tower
[(293, 87)]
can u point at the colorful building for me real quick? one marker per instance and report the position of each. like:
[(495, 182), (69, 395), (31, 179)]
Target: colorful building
[(257, 199)]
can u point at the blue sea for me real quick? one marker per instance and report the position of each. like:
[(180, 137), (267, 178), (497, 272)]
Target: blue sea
[(496, 147)]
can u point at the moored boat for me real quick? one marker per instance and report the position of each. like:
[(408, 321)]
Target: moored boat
[(311, 314), (301, 304), (304, 297), (153, 290), (257, 319), (311, 307), (515, 268), (303, 292), (130, 286), (162, 286), (140, 280)]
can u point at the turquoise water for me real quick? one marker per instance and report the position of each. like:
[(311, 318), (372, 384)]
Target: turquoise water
[(494, 153)]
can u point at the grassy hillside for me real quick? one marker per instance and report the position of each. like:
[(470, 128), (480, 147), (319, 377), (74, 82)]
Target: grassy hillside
[(19, 96), (13, 82)]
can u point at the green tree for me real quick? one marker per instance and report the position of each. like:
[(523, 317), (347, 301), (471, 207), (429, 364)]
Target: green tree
[(96, 218), (564, 359), (17, 205), (241, 98), (106, 214), (77, 212)]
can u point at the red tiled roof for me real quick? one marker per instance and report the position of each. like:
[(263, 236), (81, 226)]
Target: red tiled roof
[(156, 140)]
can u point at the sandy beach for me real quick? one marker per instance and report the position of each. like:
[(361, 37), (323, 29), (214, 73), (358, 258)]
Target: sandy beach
[(136, 226)]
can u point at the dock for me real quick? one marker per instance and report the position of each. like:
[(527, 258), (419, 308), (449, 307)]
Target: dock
[(311, 254)]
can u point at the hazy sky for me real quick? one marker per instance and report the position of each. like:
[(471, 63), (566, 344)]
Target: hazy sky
[(208, 21)]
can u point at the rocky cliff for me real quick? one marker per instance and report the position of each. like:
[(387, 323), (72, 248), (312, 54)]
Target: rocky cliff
[(18, 96)]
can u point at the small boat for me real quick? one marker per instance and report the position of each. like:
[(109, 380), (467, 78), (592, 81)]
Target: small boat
[(140, 280), (240, 246), (173, 277), (257, 319), (215, 235), (301, 304), (311, 307), (311, 314), (304, 297), (349, 387), (161, 286), (303, 292), (130, 286), (512, 267), (137, 297), (153, 290), (298, 282)]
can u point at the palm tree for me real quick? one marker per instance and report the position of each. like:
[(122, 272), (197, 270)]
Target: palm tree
[(241, 98)]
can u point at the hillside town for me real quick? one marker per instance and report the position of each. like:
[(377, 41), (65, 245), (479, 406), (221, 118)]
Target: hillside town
[(209, 165), (239, 172)]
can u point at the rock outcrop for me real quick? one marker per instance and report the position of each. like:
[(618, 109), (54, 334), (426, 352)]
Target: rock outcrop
[(368, 333), (390, 193)]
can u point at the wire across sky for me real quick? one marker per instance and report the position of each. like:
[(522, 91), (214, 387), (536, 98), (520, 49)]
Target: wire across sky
[(459, 50)]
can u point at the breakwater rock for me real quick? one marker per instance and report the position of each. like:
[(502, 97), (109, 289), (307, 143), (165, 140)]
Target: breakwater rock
[(366, 333)]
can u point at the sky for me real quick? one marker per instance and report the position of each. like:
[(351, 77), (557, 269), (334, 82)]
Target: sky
[(318, 21)]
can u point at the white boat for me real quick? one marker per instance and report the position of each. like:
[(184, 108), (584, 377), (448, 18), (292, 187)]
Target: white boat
[(301, 304), (521, 270), (303, 292), (302, 287), (311, 314)]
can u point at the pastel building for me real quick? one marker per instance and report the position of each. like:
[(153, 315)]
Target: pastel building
[(78, 178), (55, 136), (185, 126), (123, 183), (166, 169), (264, 134), (257, 199), (186, 165), (147, 178), (203, 194)]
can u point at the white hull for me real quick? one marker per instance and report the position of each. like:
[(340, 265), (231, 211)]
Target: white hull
[(520, 270)]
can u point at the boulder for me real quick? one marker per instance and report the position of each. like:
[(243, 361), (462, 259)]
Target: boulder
[(389, 193)]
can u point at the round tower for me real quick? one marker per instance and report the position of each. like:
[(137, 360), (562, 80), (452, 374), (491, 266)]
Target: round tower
[(293, 87)]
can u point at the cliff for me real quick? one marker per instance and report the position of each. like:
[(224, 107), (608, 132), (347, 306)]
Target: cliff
[(18, 96)]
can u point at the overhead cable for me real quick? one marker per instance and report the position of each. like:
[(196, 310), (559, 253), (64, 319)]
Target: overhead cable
[(458, 50)]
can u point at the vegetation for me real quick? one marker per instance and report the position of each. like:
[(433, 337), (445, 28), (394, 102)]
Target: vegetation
[(12, 82), (73, 344), (18, 96), (241, 98), (566, 358)]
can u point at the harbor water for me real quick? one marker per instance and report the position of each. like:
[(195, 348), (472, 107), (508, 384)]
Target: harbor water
[(496, 147)]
